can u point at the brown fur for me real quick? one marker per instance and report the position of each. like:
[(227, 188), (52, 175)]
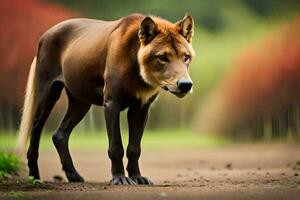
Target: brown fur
[(118, 64)]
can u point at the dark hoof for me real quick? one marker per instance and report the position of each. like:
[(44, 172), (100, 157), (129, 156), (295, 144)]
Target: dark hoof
[(142, 180), (74, 177), (33, 170), (122, 180)]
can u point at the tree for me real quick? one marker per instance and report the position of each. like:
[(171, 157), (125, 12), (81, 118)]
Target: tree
[(21, 25), (261, 93)]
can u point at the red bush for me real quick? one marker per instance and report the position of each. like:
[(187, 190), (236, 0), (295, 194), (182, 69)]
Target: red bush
[(266, 77), (21, 25), (263, 87)]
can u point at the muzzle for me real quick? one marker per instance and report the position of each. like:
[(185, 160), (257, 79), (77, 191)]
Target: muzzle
[(182, 87)]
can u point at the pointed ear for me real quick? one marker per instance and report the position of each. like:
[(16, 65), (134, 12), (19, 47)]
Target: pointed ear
[(186, 27), (147, 30)]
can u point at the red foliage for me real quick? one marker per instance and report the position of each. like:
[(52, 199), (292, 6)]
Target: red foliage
[(21, 25), (266, 77)]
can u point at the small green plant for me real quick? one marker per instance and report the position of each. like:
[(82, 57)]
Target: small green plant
[(9, 164), (34, 182), (2, 175), (14, 194)]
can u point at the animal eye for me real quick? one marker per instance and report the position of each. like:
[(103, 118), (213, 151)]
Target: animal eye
[(162, 58), (187, 58)]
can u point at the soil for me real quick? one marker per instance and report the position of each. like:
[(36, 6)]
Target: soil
[(236, 172)]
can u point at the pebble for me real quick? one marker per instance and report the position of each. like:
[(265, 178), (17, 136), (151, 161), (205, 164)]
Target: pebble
[(228, 166)]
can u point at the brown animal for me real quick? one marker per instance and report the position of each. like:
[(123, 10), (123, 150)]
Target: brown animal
[(118, 64)]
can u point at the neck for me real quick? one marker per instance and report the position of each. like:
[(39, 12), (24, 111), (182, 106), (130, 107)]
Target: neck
[(139, 87)]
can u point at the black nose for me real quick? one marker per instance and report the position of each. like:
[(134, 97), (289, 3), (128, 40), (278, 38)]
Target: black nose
[(184, 85)]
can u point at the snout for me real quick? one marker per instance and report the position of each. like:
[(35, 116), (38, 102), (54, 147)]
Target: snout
[(181, 88), (184, 85)]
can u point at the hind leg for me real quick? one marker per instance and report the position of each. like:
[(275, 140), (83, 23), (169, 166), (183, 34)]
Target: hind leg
[(76, 111), (45, 99)]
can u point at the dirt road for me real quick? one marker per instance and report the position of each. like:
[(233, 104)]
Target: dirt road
[(236, 172)]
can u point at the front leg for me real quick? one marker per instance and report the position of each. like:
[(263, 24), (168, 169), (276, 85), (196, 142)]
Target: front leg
[(115, 149), (137, 117)]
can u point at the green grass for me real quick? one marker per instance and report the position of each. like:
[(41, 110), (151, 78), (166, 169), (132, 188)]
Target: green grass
[(15, 194), (9, 164), (34, 182), (162, 139)]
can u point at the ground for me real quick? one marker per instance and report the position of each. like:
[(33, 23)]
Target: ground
[(256, 171)]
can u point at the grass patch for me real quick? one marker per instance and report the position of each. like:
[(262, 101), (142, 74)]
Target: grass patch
[(15, 194), (34, 182), (9, 164), (160, 139)]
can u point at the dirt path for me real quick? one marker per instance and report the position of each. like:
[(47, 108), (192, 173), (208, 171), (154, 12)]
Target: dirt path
[(237, 172)]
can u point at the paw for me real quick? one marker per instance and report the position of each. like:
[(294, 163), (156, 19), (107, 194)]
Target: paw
[(74, 177), (122, 180), (141, 180)]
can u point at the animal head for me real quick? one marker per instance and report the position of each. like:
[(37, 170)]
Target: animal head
[(166, 53)]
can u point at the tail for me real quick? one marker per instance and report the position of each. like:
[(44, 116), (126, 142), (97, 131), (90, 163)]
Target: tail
[(29, 110)]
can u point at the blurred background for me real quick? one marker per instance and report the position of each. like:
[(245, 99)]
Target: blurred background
[(246, 71)]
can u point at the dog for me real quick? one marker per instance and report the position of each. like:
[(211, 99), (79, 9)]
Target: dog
[(115, 64)]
